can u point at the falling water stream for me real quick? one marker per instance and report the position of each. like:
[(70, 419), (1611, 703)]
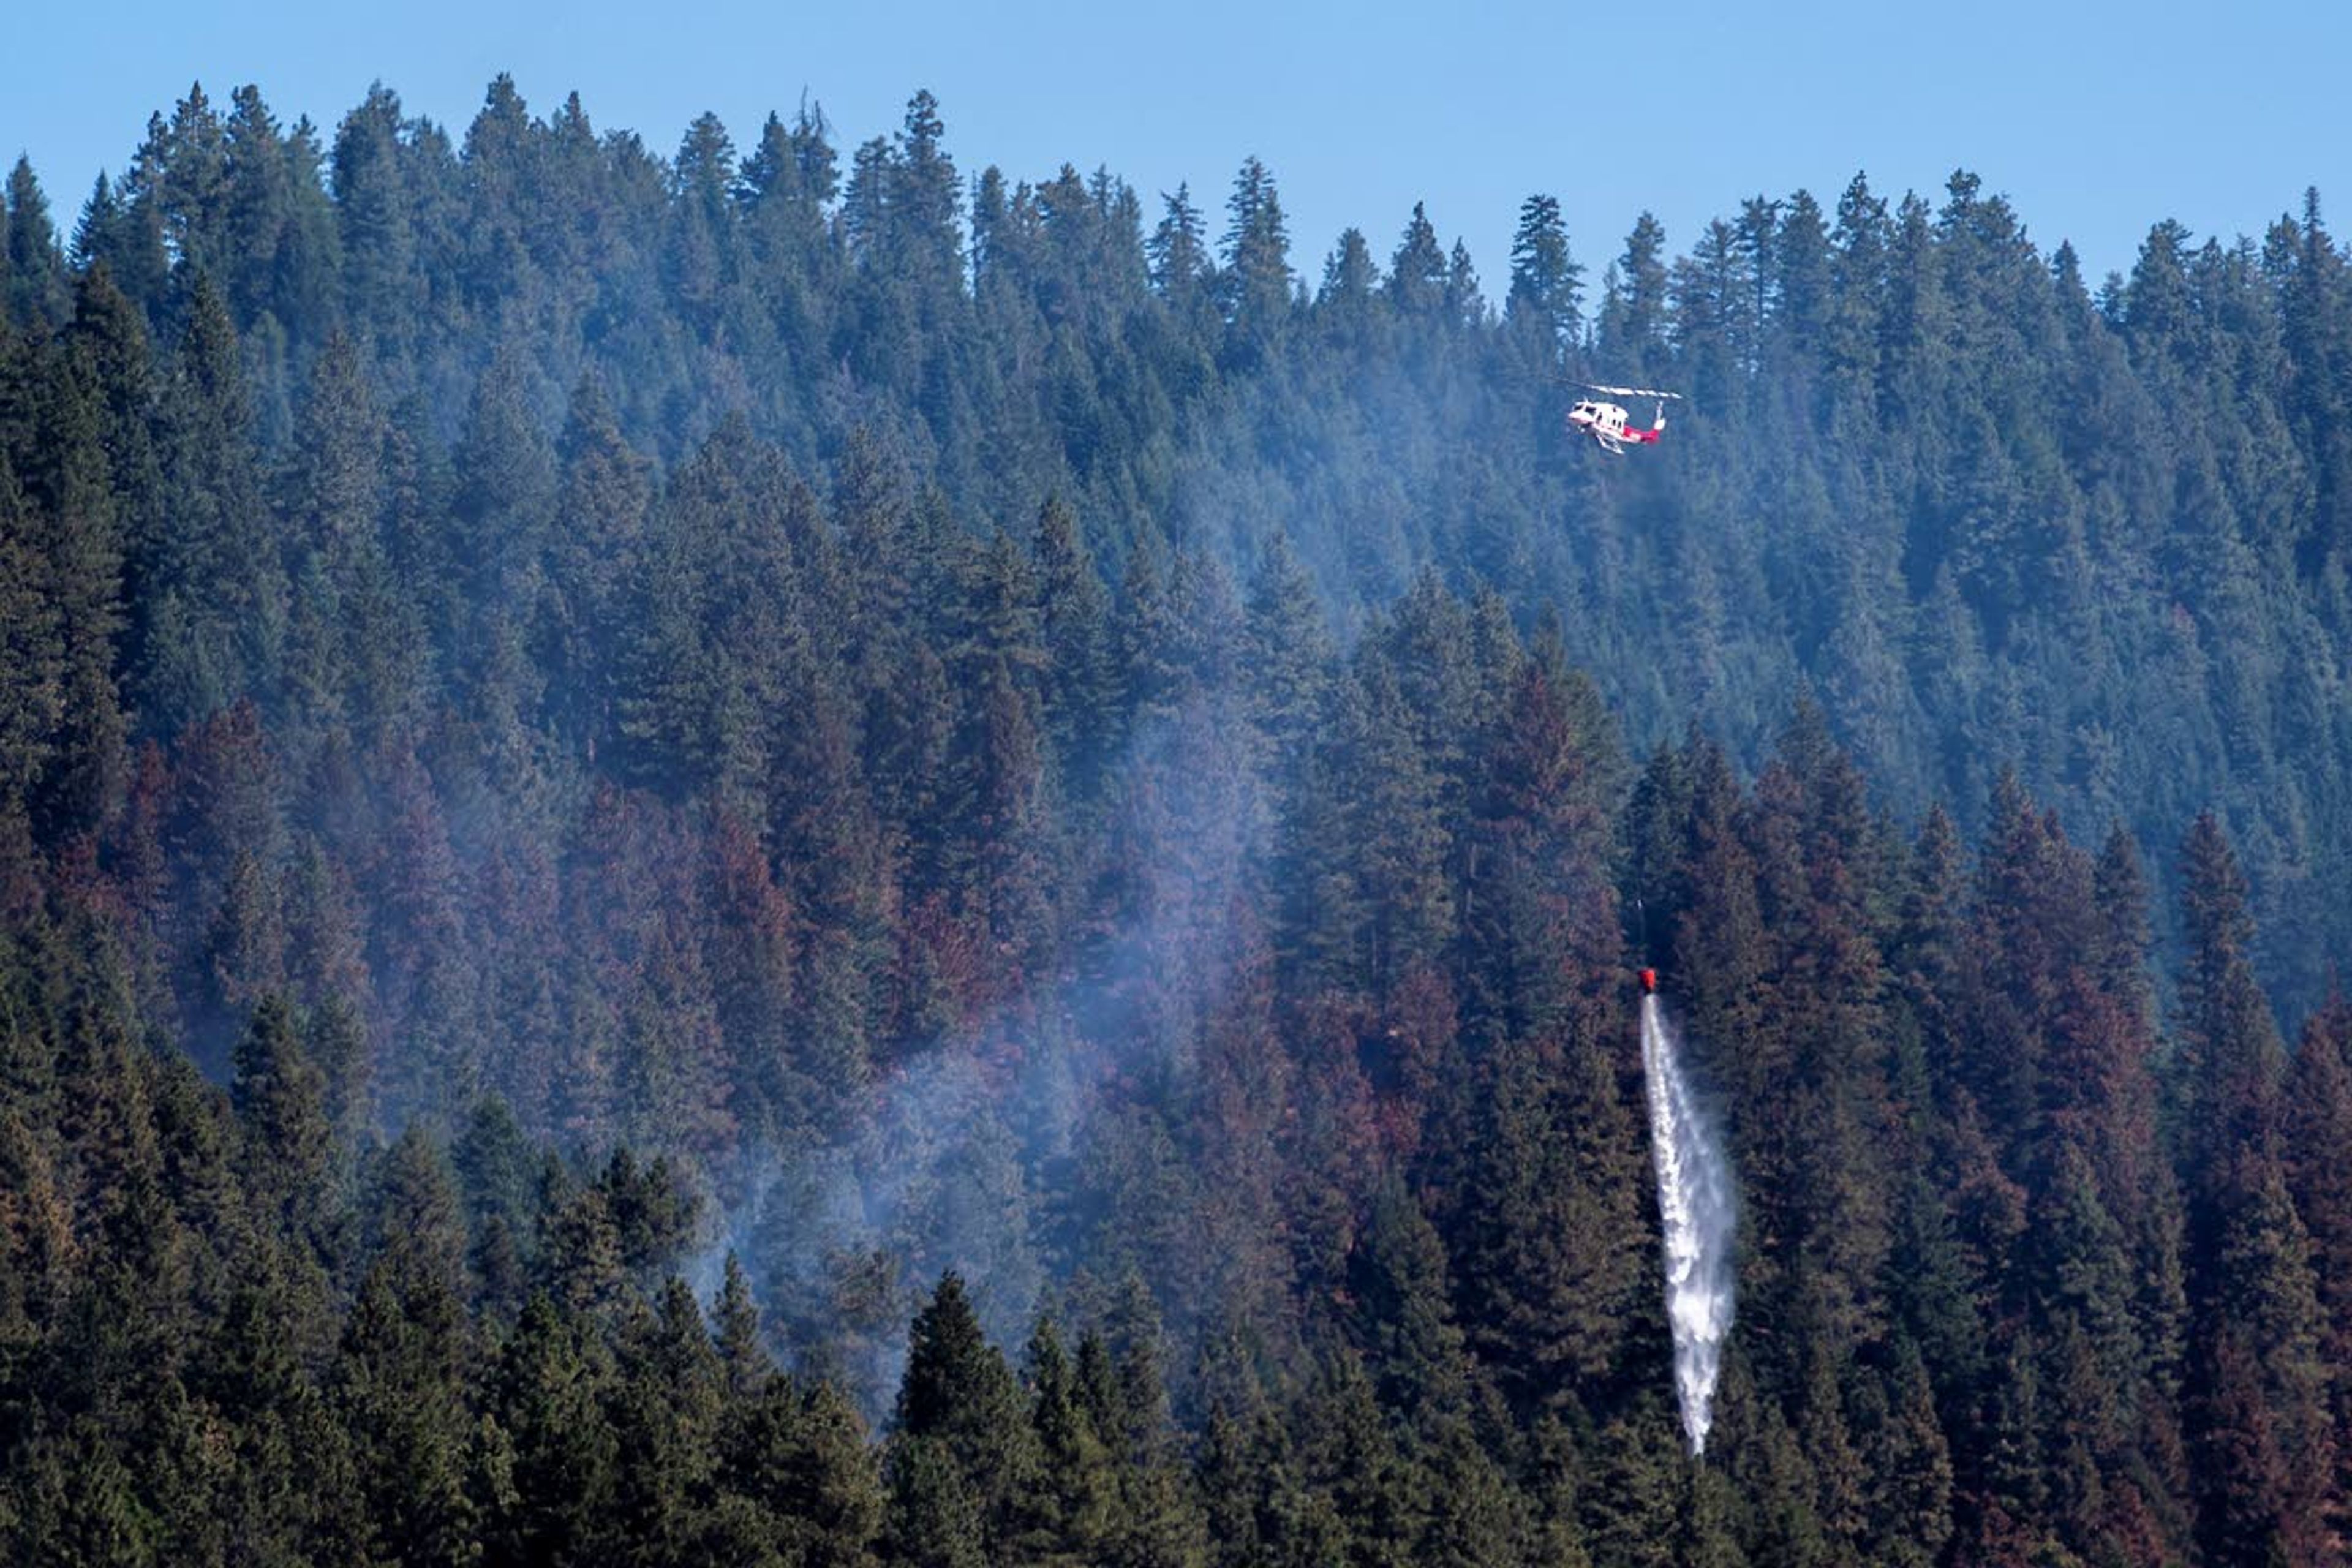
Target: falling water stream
[(1694, 1205)]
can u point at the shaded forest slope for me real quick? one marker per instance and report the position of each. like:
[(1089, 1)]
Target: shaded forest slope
[(1987, 514)]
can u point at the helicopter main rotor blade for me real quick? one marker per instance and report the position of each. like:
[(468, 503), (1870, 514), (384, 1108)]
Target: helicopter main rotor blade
[(1634, 392)]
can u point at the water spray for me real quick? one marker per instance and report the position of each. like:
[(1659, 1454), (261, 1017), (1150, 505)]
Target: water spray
[(1695, 1208)]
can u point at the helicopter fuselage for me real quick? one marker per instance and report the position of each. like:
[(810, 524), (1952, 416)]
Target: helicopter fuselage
[(1605, 422)]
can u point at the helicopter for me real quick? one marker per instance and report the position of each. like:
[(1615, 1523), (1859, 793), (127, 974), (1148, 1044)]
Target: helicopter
[(1605, 422)]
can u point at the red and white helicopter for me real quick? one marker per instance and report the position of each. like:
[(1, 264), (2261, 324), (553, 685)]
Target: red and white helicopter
[(1605, 422)]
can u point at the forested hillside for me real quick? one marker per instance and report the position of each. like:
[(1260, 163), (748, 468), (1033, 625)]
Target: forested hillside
[(778, 856)]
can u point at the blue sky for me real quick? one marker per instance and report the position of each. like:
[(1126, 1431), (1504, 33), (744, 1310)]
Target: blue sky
[(2095, 119)]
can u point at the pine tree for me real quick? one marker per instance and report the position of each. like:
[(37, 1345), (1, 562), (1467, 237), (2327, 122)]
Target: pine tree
[(798, 1455), (376, 219), (2319, 1171), (78, 532), (547, 1394), (2229, 1056), (1910, 1512), (1178, 252), (1633, 311), (1552, 1253), (1075, 639), (1546, 294), (1256, 275), (1630, 1506), (666, 1415), (334, 505), (1416, 284), (2258, 1388), (280, 1098), (1289, 649), (962, 1455), (1802, 266), (1465, 302), (1072, 1514), (701, 263), (398, 1387), (110, 339), (935, 1516), (217, 584), (1403, 1320), (498, 1173), (257, 202), (1348, 303), (925, 197), (1538, 906), (1859, 239), (32, 677), (37, 289)]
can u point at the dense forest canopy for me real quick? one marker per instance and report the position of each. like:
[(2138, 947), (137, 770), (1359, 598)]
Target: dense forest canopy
[(651, 807)]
